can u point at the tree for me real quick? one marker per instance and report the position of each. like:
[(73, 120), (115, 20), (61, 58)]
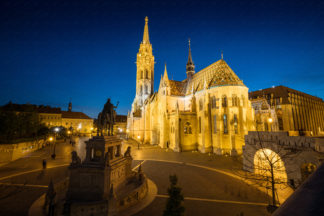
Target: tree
[(174, 204), (266, 161), (16, 125)]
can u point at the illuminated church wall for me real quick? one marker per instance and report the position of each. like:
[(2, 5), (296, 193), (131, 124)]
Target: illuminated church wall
[(209, 111)]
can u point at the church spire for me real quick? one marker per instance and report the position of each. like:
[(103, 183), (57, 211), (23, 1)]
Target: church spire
[(190, 67), (189, 56), (146, 38)]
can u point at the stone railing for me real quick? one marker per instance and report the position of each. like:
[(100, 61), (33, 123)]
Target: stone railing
[(283, 139)]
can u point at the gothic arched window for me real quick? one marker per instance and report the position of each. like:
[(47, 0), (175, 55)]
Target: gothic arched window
[(224, 101), (142, 74), (235, 101), (225, 124), (146, 74), (235, 124), (141, 90), (213, 102)]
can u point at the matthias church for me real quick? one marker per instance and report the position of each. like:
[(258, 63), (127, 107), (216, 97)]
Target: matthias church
[(208, 111)]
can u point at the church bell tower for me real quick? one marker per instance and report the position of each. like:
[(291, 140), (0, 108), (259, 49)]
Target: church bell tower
[(145, 70)]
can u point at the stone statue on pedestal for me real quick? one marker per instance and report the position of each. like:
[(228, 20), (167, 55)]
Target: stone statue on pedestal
[(106, 119)]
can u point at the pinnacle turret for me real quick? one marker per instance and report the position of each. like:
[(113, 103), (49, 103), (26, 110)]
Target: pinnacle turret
[(165, 76)]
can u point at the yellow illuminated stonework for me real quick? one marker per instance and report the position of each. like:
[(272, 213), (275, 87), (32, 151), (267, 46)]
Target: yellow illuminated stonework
[(209, 111)]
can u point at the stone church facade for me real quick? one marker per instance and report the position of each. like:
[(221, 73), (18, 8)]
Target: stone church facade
[(209, 111)]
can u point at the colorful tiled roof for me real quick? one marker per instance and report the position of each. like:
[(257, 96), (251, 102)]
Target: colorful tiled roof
[(216, 74), (178, 88)]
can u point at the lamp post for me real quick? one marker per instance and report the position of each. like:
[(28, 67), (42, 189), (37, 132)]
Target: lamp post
[(56, 130), (127, 134)]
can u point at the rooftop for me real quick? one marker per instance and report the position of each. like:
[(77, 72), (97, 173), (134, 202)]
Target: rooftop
[(281, 91), (74, 115)]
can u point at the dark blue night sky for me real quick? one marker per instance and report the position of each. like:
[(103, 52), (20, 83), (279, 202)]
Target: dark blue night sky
[(52, 51)]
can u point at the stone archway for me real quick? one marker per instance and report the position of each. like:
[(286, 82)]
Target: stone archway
[(265, 158)]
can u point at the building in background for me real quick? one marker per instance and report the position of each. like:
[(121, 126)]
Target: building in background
[(49, 116), (265, 115), (120, 126), (295, 110), (209, 111), (77, 122)]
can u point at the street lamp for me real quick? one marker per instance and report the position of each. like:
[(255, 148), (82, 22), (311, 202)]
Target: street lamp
[(127, 134), (56, 130)]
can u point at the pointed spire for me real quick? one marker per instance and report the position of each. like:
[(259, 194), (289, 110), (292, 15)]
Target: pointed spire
[(190, 65), (146, 38), (189, 56), (165, 76), (222, 56)]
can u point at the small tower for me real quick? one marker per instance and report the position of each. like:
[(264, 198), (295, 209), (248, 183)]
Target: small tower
[(70, 107), (190, 67)]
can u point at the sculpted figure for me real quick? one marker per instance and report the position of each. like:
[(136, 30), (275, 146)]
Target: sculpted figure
[(106, 118), (128, 152)]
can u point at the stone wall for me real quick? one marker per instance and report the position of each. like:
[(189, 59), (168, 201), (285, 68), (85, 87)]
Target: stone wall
[(10, 152), (132, 198), (294, 151)]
